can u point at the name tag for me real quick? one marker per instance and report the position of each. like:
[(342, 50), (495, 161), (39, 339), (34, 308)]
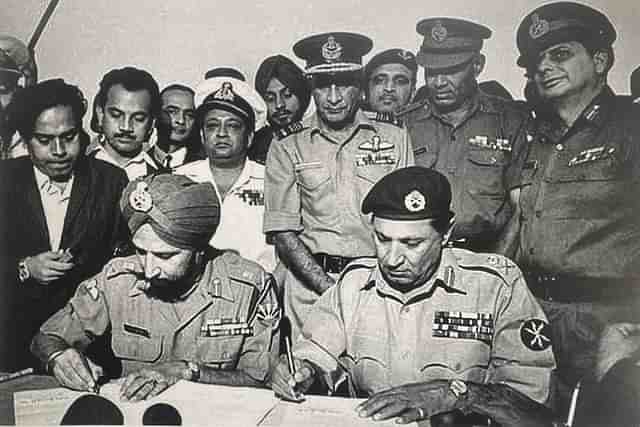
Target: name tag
[(136, 330)]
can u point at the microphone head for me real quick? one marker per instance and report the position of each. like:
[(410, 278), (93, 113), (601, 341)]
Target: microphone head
[(161, 414), (91, 409)]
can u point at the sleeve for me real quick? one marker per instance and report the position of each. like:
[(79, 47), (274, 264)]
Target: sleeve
[(521, 355), (259, 352), (282, 200), (407, 156), (520, 136), (85, 317), (323, 338)]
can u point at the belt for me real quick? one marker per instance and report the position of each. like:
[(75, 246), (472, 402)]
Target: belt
[(567, 288), (332, 263)]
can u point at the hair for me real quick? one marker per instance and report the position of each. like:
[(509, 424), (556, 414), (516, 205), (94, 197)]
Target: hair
[(177, 86), (30, 102), (132, 79)]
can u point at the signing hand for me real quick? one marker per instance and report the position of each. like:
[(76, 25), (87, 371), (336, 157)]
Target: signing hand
[(48, 266), (147, 383), (75, 371), (289, 386), (411, 402)]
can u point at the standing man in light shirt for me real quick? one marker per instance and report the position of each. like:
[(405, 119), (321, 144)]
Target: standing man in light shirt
[(229, 111), (59, 216), (124, 112)]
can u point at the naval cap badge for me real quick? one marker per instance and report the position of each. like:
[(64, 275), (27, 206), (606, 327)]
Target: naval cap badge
[(439, 32), (225, 92), (331, 50)]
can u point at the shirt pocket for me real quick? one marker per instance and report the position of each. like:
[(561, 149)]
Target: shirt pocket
[(456, 358), (484, 172), (219, 352), (425, 157), (368, 357), (139, 348), (316, 191)]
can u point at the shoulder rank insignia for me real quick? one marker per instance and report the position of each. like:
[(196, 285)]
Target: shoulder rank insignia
[(290, 129), (535, 334), (499, 144), (460, 325), (91, 288), (379, 152), (592, 154), (384, 118), (501, 263)]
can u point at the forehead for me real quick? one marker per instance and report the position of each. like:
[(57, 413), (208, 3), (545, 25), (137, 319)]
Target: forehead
[(178, 97), (123, 99), (217, 114), (573, 45), (58, 118), (397, 229), (275, 85), (147, 239), (391, 70)]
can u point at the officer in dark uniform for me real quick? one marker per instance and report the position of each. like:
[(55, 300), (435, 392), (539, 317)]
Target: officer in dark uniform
[(390, 79), (465, 134), (316, 178), (579, 229), (285, 90), (422, 329)]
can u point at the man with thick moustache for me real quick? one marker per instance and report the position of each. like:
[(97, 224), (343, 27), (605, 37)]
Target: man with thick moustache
[(423, 330), (177, 309), (390, 77), (178, 142), (465, 134), (578, 226), (316, 178), (59, 216), (285, 90), (124, 111)]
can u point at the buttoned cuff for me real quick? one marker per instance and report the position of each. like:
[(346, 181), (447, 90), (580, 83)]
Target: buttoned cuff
[(281, 221)]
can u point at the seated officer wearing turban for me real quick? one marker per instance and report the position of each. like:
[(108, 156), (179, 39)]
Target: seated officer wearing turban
[(425, 329), (178, 309)]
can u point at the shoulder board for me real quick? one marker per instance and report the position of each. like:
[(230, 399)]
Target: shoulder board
[(243, 270), (491, 263), (290, 129), (120, 266), (383, 117), (367, 263), (411, 107)]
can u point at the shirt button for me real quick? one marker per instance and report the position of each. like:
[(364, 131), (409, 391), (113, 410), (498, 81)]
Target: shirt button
[(559, 147), (406, 310), (531, 251)]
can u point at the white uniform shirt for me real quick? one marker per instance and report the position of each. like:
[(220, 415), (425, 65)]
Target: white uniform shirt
[(54, 203)]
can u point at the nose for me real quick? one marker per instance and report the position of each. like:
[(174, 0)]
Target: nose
[(58, 148), (222, 130), (180, 118), (439, 80), (279, 102), (395, 256), (389, 86), (151, 269), (544, 64), (335, 95), (125, 124)]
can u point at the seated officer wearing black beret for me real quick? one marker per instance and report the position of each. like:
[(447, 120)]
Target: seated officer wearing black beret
[(390, 78), (177, 309), (467, 135), (424, 329), (578, 186), (316, 178)]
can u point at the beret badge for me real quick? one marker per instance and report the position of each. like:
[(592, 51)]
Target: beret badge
[(405, 55), (539, 27), (140, 199), (439, 32), (414, 201), (331, 50)]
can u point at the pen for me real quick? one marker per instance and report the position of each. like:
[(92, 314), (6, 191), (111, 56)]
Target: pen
[(286, 332), (572, 408), (15, 375)]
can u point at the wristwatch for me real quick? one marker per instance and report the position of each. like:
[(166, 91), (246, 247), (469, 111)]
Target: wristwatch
[(194, 371), (23, 270)]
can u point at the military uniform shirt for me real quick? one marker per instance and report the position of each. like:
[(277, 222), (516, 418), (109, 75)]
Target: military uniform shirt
[(474, 320), (213, 325), (315, 185), (580, 196), (474, 157)]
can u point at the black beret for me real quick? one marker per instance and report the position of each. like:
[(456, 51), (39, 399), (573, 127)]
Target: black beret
[(560, 22), (333, 52), (449, 42), (392, 56), (411, 193)]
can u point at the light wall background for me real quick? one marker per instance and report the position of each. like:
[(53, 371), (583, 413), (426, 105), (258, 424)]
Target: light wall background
[(178, 40)]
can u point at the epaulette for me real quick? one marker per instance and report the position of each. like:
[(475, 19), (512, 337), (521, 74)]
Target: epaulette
[(290, 129), (120, 266), (492, 263), (411, 107), (383, 117), (243, 270), (359, 263)]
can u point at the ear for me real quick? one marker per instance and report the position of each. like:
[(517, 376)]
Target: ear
[(601, 60), (447, 234), (100, 115), (478, 64)]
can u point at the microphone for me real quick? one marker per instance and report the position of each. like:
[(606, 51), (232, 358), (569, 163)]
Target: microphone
[(350, 382), (92, 409), (161, 414)]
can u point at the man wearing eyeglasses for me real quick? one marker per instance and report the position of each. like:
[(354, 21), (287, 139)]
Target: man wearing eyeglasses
[(316, 178), (59, 216)]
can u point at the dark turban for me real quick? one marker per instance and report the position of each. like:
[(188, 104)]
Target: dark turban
[(185, 214), (289, 74)]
